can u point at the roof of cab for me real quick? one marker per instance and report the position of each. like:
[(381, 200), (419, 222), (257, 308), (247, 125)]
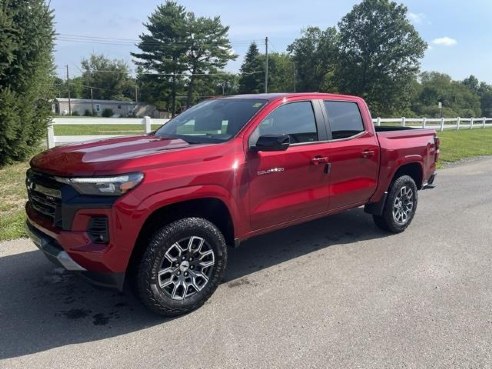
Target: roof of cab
[(274, 96)]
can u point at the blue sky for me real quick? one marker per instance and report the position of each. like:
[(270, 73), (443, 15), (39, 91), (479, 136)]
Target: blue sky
[(458, 32)]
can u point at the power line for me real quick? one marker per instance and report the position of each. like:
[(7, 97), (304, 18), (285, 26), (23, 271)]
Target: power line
[(170, 74), (105, 39), (127, 42), (195, 74)]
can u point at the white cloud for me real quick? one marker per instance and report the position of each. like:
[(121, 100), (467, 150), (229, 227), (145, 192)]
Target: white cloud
[(444, 41), (416, 18)]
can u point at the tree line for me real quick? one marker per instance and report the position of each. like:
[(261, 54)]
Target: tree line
[(373, 52)]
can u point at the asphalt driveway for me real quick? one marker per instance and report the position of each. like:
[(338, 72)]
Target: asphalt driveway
[(334, 293)]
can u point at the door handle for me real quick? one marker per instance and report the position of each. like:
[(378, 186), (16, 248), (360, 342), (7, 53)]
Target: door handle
[(368, 154), (319, 160)]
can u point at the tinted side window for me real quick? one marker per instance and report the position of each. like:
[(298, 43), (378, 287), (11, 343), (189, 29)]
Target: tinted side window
[(294, 119), (345, 119)]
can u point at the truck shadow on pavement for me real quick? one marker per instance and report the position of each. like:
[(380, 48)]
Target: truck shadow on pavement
[(43, 307)]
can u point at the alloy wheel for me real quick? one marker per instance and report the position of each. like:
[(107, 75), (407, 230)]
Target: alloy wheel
[(186, 268)]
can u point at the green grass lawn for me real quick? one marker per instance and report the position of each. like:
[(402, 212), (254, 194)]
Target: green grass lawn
[(100, 129), (455, 145), (13, 197)]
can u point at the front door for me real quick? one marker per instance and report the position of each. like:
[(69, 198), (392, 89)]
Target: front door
[(291, 184)]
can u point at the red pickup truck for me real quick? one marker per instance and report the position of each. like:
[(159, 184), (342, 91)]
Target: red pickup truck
[(159, 210)]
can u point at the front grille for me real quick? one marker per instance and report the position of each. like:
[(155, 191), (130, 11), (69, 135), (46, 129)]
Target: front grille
[(45, 196)]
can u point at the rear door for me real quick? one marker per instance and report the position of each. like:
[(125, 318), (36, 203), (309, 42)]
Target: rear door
[(353, 155), (291, 184)]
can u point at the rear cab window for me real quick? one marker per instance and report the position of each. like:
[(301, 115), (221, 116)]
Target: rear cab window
[(344, 118)]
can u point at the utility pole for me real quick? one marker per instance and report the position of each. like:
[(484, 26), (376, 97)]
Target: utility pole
[(295, 76), (92, 102), (266, 65), (69, 101)]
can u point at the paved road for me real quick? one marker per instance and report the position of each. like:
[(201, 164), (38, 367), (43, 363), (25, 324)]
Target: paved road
[(334, 293)]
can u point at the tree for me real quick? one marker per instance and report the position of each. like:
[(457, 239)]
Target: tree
[(314, 55), (252, 80), (281, 72), (162, 50), (379, 53), (76, 86), (180, 48), (484, 92), (26, 76), (456, 98), (227, 84), (472, 83), (209, 49), (108, 79)]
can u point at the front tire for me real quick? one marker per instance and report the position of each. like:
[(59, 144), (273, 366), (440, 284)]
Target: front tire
[(182, 266), (400, 206)]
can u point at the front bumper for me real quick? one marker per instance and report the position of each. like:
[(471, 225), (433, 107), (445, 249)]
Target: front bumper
[(52, 250), (55, 253)]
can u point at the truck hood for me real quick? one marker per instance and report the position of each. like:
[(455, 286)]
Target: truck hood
[(107, 156)]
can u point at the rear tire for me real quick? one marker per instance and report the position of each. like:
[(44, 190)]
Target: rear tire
[(400, 206), (182, 266)]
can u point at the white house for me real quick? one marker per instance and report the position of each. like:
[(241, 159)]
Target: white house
[(95, 107)]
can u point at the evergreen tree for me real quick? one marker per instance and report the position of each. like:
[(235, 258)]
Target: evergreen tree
[(26, 76), (252, 80), (163, 49), (208, 52), (179, 47)]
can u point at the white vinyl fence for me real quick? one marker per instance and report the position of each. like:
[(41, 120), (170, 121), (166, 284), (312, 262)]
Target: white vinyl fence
[(146, 124), (53, 140), (439, 124)]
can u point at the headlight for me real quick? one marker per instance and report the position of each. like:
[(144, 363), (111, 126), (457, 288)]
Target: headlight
[(104, 186)]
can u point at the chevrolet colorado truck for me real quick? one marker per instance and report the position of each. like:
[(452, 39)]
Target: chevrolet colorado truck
[(159, 211)]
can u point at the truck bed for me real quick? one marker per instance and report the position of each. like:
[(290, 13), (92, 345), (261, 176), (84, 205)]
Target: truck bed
[(394, 128)]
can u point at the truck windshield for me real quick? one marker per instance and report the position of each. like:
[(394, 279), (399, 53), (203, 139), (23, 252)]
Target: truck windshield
[(212, 120)]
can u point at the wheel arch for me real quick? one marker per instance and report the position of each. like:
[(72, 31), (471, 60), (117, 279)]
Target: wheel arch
[(210, 208), (413, 170)]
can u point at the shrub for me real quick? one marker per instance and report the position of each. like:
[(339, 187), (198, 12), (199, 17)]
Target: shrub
[(87, 113), (107, 113), (26, 70), (75, 113)]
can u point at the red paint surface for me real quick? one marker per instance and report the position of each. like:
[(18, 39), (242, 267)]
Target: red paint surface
[(176, 172)]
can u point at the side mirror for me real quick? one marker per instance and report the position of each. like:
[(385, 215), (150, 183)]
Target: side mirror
[(272, 143)]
